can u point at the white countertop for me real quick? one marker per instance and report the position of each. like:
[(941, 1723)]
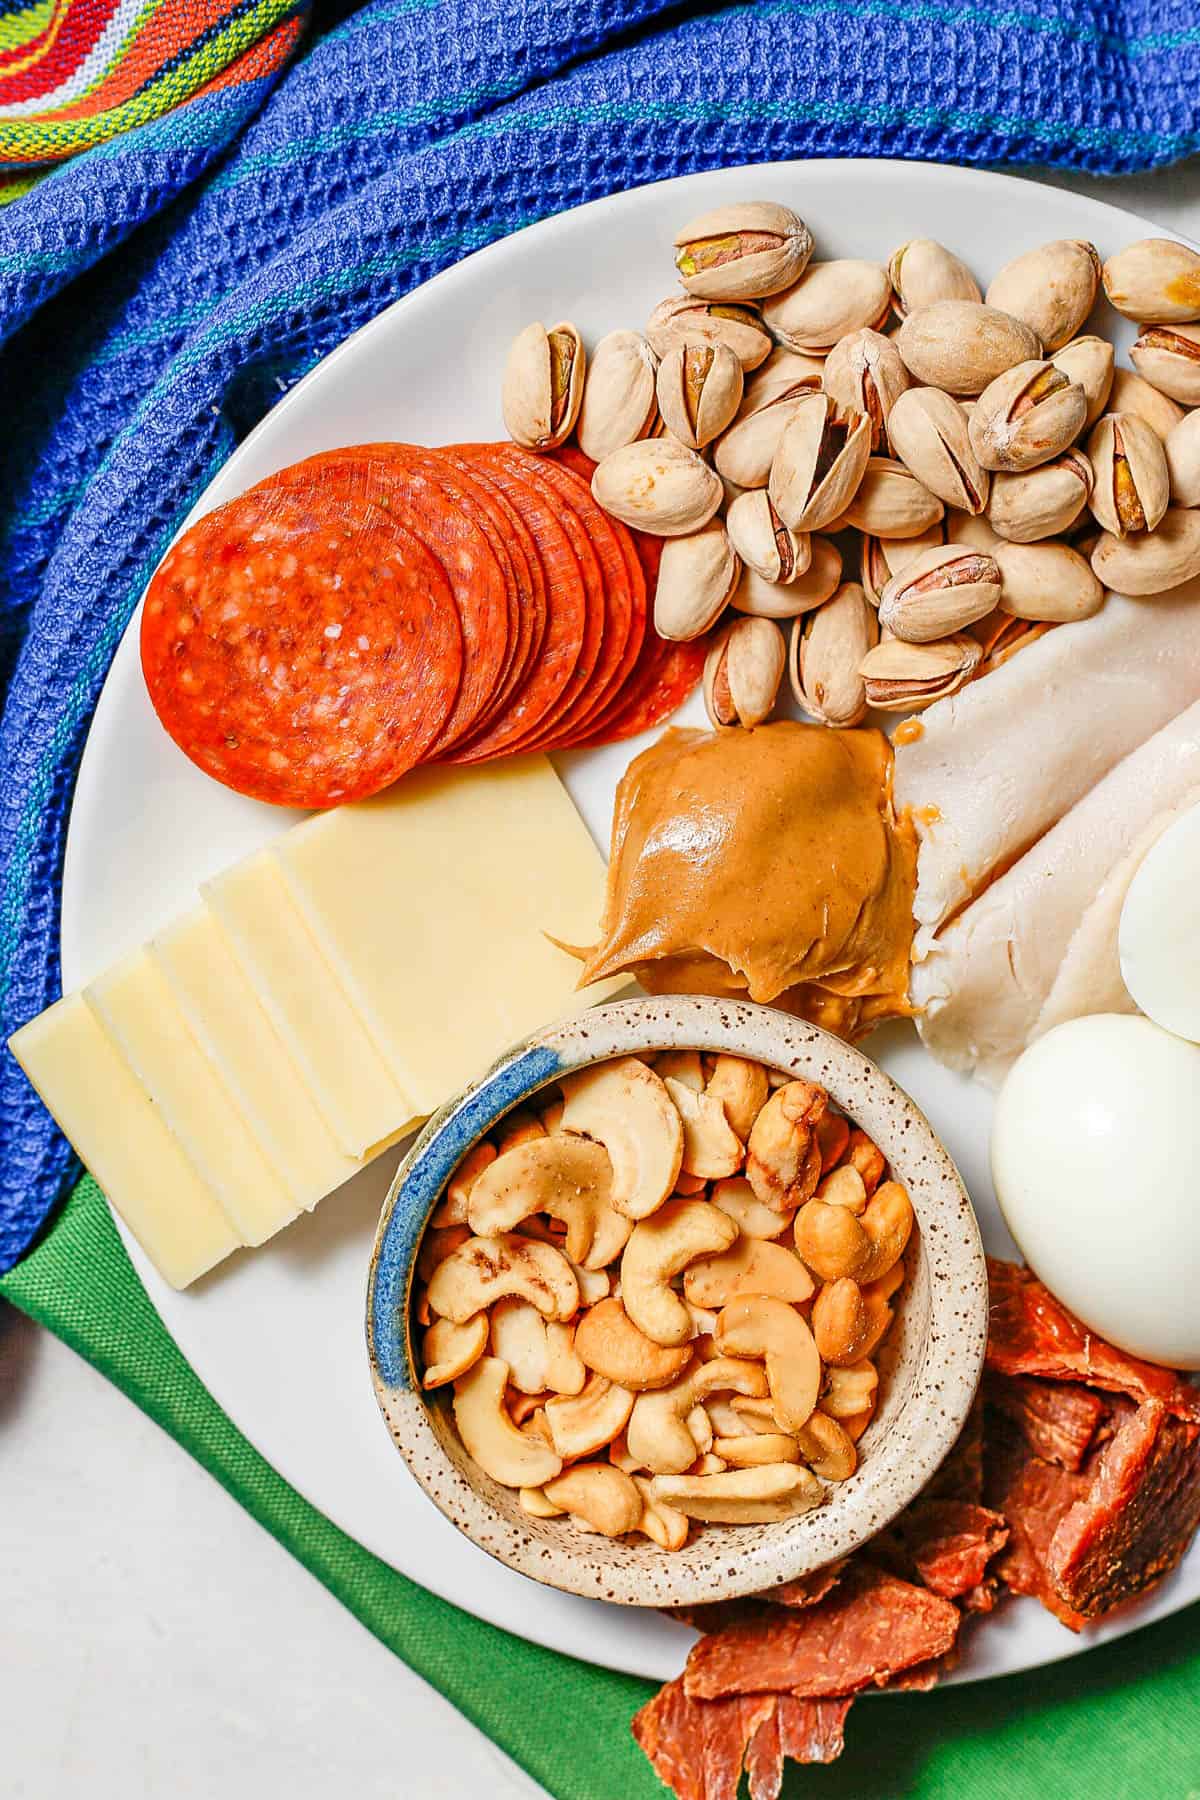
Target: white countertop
[(156, 1641)]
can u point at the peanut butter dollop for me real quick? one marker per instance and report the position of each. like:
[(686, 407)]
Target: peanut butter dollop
[(766, 863)]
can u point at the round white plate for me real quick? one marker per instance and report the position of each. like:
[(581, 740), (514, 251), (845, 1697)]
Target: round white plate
[(277, 1334)]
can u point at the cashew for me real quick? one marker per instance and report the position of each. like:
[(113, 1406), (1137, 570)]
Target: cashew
[(681, 1065), (625, 1106), (736, 1197), (506, 1454), (703, 1322), (844, 1187), (879, 1320), (783, 1161), (888, 1284), (523, 1407), (833, 1134), (827, 1448), (741, 1496), (751, 1266), (540, 1353), (759, 1325), (484, 1269), (620, 1454), (608, 1341), (535, 1503), (758, 1414), (867, 1158), (711, 1148), (834, 1243), (663, 1525), (589, 1420), (453, 1210), (708, 1465), (436, 1246), (659, 1248), (753, 1448), (850, 1391), (449, 1350), (856, 1423), (841, 1324), (742, 1088), (594, 1284), (689, 1184), (724, 1421), (520, 1127), (658, 1435), (570, 1178), (700, 1429), (599, 1496)]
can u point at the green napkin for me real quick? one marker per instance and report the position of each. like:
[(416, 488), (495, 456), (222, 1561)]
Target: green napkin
[(1122, 1721)]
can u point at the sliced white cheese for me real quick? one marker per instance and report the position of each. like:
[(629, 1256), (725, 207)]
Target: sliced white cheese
[(1159, 937)]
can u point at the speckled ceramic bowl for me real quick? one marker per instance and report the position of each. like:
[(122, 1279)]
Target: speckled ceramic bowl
[(930, 1365)]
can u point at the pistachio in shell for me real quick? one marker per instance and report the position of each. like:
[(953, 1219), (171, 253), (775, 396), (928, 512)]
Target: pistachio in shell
[(697, 575), (1026, 416), (1151, 562), (829, 300), (1130, 393), (686, 319), (1131, 482), (743, 252), (890, 502), (1052, 288), (1183, 460), (922, 271), (821, 459), (880, 558), (1168, 357), (762, 540), (1090, 362), (659, 486), (940, 592), (825, 654), (543, 385), (902, 677), (1048, 582), (1155, 281), (787, 600), (699, 390), (864, 373), (743, 672), (1041, 502), (745, 452), (619, 401), (962, 345), (929, 433)]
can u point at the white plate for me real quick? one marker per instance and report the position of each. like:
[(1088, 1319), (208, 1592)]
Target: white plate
[(277, 1335)]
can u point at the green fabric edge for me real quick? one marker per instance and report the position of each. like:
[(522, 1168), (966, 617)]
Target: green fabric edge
[(1120, 1721)]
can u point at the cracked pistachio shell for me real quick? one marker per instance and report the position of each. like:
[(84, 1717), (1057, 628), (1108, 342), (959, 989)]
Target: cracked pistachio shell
[(826, 650), (543, 385), (619, 402), (787, 600), (743, 672), (1183, 460), (1131, 481), (864, 373), (1052, 288), (1168, 357), (697, 575), (762, 540), (1026, 416), (699, 391), (821, 459), (745, 452), (890, 502), (1089, 361), (1048, 582), (902, 677), (685, 319), (928, 432), (940, 592), (1155, 281), (880, 558), (1024, 509), (1152, 562), (1131, 394), (922, 271), (829, 300), (743, 252), (962, 345), (657, 485)]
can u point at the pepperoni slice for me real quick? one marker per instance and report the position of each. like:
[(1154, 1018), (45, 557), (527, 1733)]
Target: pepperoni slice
[(667, 674), (301, 646)]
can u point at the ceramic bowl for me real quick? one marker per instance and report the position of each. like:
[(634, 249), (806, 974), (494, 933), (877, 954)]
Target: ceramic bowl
[(929, 1368)]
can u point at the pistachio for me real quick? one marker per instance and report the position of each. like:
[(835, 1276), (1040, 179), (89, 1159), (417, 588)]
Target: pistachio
[(743, 672), (890, 502), (762, 540), (1183, 460), (864, 373), (543, 385), (746, 451), (657, 485), (923, 271), (962, 345), (928, 432), (1155, 281), (1152, 562), (699, 390), (1052, 288), (826, 650), (940, 592), (902, 677), (1026, 416), (1089, 361), (880, 558), (975, 530), (778, 600), (684, 319), (1168, 357), (829, 300), (743, 252), (1129, 467), (696, 578), (1040, 503), (1048, 582), (1131, 394), (619, 402), (819, 463)]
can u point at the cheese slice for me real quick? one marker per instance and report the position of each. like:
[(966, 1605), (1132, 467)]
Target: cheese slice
[(122, 1137), (221, 1008), (140, 1015)]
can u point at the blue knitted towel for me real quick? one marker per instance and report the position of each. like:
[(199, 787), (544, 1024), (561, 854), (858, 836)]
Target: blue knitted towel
[(412, 133)]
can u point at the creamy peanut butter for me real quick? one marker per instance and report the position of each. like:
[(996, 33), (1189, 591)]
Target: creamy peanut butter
[(766, 863)]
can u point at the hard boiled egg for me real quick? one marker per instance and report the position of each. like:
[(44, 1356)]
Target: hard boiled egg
[(1096, 1161), (1159, 936)]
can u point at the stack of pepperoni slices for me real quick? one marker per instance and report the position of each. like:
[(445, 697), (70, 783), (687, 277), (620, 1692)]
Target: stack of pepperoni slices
[(374, 608)]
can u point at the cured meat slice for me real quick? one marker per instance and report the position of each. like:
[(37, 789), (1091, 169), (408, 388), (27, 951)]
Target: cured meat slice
[(945, 1544), (301, 646), (764, 1757), (729, 1726), (808, 1590), (1034, 1496), (872, 1626), (696, 1747), (1058, 1419), (667, 674), (1032, 1333), (811, 1731)]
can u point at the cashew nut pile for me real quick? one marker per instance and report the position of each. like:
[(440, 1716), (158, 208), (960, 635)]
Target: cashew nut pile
[(659, 1296)]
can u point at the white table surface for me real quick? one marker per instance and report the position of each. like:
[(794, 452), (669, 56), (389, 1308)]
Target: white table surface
[(155, 1640)]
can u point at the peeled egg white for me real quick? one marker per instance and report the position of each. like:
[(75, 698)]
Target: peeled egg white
[(1158, 939), (1096, 1161)]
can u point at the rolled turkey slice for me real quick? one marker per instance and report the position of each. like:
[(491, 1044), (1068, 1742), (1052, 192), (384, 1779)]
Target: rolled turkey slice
[(987, 974), (996, 765)]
